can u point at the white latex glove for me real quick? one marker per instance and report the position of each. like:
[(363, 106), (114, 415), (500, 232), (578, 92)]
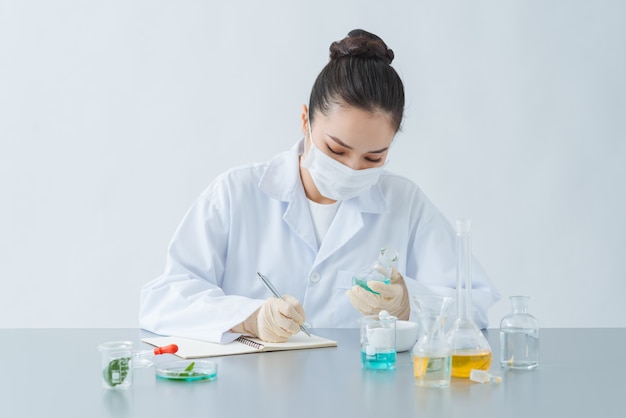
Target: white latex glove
[(275, 321), (392, 297)]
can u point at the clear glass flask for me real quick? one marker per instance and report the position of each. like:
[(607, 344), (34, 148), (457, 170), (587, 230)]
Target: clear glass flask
[(469, 347), (519, 337), (380, 270), (431, 353)]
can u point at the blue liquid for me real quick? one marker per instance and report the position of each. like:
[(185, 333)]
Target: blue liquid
[(363, 283), (380, 361), (190, 377)]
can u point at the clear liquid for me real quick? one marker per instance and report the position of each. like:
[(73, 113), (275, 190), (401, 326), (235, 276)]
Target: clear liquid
[(382, 361), (432, 371), (464, 363), (363, 283), (520, 348)]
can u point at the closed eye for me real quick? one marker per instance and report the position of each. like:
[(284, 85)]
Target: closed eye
[(374, 160), (333, 151)]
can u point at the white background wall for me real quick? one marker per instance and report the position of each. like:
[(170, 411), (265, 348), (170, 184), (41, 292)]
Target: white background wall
[(114, 115)]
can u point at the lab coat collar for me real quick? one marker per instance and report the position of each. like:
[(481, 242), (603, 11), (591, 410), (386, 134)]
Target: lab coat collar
[(281, 181), (282, 177)]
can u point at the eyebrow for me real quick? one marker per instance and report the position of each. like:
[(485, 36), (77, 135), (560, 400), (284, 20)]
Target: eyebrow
[(340, 142)]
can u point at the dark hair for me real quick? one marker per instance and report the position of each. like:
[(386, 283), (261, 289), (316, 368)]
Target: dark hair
[(359, 74)]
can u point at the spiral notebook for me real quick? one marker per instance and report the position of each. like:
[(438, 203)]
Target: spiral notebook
[(189, 349)]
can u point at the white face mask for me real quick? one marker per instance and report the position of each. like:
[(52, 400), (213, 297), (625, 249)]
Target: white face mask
[(335, 180)]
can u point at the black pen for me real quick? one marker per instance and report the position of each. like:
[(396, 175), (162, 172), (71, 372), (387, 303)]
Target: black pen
[(272, 289)]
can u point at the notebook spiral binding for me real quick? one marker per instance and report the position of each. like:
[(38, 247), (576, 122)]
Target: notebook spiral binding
[(250, 343)]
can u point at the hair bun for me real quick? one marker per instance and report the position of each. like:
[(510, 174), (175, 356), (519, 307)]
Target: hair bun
[(363, 44)]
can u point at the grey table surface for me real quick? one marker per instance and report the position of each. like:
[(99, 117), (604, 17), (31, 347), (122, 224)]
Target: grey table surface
[(56, 373)]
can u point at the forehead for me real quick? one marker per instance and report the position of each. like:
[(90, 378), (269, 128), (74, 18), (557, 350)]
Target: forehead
[(360, 129)]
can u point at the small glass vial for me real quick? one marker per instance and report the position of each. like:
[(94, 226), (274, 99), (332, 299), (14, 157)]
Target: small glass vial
[(519, 337)]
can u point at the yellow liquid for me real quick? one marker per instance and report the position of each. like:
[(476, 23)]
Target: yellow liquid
[(431, 371), (420, 365), (462, 364)]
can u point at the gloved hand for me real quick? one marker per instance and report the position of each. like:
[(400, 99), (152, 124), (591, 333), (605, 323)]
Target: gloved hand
[(392, 297), (275, 321)]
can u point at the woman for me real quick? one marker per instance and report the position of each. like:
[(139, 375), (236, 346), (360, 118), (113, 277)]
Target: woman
[(308, 219)]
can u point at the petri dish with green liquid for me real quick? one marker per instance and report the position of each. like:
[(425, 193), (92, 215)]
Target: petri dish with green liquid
[(187, 371)]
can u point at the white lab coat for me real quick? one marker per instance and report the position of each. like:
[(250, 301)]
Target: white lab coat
[(256, 218)]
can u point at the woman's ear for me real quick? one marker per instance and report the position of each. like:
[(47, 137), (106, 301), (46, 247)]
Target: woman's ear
[(305, 120)]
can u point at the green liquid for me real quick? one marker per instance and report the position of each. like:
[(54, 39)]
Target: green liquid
[(380, 361), (363, 284), (188, 376)]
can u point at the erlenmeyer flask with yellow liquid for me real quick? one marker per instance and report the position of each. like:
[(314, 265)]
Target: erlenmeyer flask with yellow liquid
[(469, 347), (431, 353)]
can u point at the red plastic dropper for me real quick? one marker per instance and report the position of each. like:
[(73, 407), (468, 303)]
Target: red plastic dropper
[(167, 349)]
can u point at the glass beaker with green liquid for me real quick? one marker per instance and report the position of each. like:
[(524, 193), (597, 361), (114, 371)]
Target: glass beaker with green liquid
[(379, 271), (469, 347)]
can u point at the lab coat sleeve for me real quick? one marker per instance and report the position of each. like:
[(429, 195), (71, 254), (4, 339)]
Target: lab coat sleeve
[(431, 268), (187, 300)]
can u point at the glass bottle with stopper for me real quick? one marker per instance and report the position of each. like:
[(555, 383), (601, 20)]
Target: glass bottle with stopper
[(519, 337), (469, 347), (380, 270)]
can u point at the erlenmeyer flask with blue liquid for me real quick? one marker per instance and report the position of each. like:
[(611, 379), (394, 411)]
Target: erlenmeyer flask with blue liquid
[(379, 271)]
